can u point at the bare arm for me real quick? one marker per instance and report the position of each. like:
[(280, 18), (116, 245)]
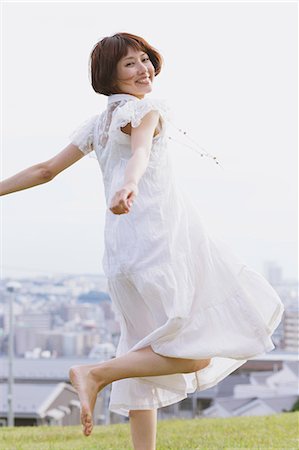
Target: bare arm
[(42, 172), (141, 143)]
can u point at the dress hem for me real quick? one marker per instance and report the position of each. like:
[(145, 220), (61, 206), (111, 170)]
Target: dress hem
[(121, 408), (272, 324)]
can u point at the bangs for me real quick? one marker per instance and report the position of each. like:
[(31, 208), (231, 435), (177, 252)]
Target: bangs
[(124, 43)]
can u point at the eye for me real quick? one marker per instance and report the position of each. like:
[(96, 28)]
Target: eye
[(144, 59)]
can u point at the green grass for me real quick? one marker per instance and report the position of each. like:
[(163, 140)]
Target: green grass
[(259, 432)]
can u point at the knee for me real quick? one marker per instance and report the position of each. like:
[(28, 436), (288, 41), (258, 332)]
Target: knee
[(134, 412), (200, 364), (139, 412)]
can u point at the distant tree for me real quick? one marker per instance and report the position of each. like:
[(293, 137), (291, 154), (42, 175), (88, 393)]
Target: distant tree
[(295, 406)]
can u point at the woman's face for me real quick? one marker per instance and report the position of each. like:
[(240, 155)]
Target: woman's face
[(135, 73)]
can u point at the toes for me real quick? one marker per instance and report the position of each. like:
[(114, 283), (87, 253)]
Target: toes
[(86, 420), (88, 429)]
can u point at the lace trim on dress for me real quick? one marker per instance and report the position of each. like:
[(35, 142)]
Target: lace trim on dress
[(103, 134)]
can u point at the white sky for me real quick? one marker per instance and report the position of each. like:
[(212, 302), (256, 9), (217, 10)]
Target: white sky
[(230, 77)]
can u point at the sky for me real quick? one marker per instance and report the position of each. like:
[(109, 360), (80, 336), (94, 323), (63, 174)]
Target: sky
[(230, 77)]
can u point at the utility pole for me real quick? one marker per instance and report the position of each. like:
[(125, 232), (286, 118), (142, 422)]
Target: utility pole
[(11, 287)]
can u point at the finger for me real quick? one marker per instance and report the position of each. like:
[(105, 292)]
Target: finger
[(116, 205), (115, 210), (120, 203), (123, 204), (119, 209), (131, 198)]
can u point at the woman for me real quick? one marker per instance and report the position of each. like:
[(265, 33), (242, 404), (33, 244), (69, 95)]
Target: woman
[(190, 311)]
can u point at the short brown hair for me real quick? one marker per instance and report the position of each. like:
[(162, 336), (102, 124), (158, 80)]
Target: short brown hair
[(106, 54)]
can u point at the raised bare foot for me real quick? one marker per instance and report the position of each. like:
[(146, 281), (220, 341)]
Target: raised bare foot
[(87, 388)]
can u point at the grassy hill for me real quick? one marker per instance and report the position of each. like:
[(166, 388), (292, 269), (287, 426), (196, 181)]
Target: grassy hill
[(259, 432)]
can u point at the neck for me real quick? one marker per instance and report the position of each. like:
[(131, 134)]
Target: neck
[(140, 96), (115, 97)]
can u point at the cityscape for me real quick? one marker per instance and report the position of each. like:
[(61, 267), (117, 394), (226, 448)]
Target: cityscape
[(62, 320)]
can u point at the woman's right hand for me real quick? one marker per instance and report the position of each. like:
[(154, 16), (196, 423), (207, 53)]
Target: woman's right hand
[(123, 198)]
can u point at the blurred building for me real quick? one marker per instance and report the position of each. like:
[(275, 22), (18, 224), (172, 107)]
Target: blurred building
[(273, 273), (41, 404), (290, 342), (68, 343), (27, 328)]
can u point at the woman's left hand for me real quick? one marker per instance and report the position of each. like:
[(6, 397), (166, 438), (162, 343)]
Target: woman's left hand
[(123, 199)]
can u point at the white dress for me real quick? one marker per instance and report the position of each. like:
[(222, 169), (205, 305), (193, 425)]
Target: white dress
[(172, 285)]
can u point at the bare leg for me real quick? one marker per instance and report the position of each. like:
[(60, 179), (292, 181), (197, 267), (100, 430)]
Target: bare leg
[(90, 379), (143, 425)]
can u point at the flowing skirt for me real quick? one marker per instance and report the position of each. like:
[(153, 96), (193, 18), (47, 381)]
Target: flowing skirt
[(205, 303)]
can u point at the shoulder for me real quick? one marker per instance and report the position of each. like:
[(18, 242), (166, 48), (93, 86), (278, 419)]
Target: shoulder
[(148, 104), (133, 111), (151, 116)]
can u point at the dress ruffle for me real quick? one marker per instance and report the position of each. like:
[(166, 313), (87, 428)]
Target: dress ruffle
[(229, 332), (133, 112), (83, 135)]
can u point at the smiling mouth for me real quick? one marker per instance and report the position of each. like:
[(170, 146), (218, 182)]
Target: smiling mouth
[(144, 81)]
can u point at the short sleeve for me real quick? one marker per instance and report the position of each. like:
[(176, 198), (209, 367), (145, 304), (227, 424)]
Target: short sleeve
[(133, 112), (83, 135)]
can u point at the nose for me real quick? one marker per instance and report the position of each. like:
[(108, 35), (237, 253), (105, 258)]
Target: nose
[(142, 68)]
